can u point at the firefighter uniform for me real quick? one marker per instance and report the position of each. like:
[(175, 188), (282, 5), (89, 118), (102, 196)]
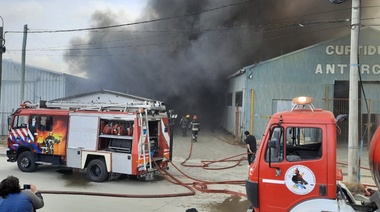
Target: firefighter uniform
[(195, 126)]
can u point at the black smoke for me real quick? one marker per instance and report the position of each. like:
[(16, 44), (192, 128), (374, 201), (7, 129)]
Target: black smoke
[(184, 60)]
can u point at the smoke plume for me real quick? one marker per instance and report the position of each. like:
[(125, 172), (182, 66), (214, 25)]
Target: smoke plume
[(184, 60)]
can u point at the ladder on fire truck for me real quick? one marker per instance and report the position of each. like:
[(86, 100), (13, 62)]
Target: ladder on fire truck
[(132, 106), (142, 108)]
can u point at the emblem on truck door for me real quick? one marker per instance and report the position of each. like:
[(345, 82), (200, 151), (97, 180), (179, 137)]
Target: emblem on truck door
[(300, 179)]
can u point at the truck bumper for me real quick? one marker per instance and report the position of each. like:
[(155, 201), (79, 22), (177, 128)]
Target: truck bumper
[(11, 154), (252, 190)]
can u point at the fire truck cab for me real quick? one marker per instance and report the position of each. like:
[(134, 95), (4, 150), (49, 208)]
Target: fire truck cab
[(296, 165), (109, 139)]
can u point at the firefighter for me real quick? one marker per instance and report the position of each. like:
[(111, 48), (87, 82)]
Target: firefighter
[(184, 124), (195, 126), (48, 143)]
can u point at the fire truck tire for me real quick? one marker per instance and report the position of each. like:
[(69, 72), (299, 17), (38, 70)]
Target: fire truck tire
[(97, 170), (25, 162)]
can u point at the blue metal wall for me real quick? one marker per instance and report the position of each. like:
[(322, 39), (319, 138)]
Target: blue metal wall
[(311, 71)]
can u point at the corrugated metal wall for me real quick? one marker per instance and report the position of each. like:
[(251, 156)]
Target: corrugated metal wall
[(312, 71), (40, 84)]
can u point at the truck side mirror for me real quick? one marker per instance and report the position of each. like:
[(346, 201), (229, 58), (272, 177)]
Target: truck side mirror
[(341, 118), (273, 144), (9, 123)]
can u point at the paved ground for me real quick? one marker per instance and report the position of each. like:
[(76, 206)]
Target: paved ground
[(210, 146)]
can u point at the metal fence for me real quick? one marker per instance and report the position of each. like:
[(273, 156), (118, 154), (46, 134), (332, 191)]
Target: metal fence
[(369, 118)]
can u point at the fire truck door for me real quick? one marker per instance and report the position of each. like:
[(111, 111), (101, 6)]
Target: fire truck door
[(82, 135), (288, 177), (50, 132)]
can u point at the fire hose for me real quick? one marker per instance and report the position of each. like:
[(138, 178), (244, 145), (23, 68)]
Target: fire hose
[(367, 187), (199, 185)]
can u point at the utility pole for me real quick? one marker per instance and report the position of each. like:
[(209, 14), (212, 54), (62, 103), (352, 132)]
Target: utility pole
[(353, 115), (22, 86)]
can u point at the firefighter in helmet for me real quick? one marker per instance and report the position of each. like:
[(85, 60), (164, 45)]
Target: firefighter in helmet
[(184, 124), (195, 126), (48, 144)]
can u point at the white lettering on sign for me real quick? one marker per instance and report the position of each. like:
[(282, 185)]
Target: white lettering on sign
[(341, 68), (365, 69), (376, 69), (330, 68), (345, 50), (319, 69)]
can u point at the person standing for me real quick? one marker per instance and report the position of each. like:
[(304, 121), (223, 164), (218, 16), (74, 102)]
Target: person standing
[(250, 141), (13, 199), (195, 127), (184, 124)]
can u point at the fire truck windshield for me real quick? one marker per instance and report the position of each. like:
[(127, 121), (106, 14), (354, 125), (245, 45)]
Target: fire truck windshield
[(301, 143)]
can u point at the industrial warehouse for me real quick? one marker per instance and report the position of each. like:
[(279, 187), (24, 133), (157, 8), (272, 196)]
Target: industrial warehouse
[(320, 71), (40, 84)]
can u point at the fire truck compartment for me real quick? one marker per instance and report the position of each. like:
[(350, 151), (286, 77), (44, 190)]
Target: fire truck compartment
[(121, 163), (120, 145)]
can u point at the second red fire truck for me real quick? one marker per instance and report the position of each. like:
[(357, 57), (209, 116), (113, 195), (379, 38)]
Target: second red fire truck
[(296, 165), (104, 138)]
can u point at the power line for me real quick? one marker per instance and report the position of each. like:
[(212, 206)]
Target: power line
[(179, 31), (222, 38), (289, 26)]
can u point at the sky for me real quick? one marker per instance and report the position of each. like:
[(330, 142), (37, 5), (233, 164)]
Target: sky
[(55, 15)]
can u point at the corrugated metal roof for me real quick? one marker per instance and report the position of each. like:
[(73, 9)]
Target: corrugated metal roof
[(104, 91)]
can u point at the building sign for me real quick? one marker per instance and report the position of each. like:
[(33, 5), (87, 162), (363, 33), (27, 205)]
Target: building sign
[(344, 50)]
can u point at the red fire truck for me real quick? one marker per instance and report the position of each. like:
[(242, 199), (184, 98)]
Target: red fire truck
[(296, 164), (109, 139)]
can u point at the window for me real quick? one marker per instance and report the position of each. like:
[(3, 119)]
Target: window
[(239, 98), (20, 122), (302, 143), (46, 123)]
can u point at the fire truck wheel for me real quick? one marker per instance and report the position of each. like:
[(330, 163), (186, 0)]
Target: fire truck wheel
[(97, 170), (25, 162)]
